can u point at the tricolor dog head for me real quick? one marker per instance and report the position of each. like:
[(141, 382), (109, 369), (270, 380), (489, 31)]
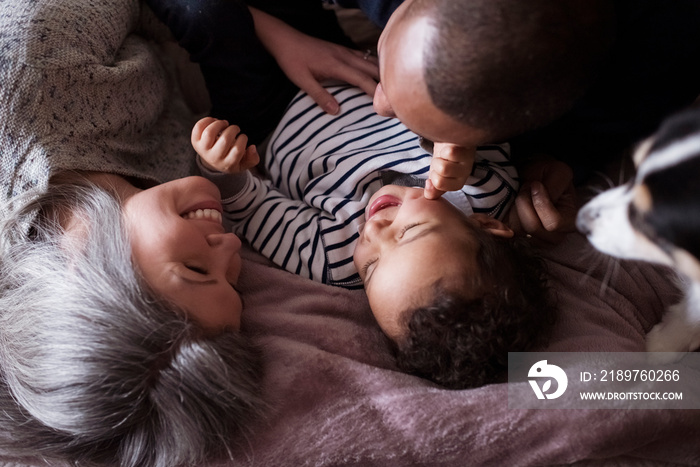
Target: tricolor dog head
[(656, 216)]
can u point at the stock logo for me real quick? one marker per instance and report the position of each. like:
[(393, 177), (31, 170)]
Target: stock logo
[(542, 370)]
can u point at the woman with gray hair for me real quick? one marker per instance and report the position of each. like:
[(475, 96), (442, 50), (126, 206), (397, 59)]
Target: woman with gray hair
[(96, 366), (104, 358)]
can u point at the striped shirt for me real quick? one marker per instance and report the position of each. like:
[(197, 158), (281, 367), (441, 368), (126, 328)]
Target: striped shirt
[(321, 172)]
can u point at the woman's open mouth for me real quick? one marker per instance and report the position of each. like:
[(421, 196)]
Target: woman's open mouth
[(204, 214), (207, 210)]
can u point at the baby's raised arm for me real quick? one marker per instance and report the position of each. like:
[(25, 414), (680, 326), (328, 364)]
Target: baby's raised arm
[(222, 147)]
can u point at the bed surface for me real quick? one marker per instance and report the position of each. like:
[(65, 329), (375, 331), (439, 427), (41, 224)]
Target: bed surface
[(339, 400), (336, 397)]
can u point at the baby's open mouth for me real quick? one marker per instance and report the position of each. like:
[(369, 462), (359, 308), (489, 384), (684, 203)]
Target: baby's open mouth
[(383, 202)]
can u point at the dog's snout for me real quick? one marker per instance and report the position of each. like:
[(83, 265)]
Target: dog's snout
[(585, 219)]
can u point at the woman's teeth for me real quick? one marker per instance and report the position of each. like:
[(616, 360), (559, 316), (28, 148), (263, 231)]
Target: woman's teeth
[(206, 214)]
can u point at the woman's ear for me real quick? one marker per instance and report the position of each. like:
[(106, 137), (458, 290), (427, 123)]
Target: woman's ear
[(492, 225)]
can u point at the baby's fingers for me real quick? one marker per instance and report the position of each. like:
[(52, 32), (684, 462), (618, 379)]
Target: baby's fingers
[(211, 133), (446, 175), (443, 184), (449, 169), (228, 139), (431, 192), (251, 158), (199, 127)]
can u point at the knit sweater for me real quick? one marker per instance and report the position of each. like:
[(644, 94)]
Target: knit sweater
[(83, 87)]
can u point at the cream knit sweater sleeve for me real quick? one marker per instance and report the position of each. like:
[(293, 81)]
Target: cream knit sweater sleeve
[(83, 87)]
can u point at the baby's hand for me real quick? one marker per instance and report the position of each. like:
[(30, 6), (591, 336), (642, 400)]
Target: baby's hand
[(223, 147), (450, 168)]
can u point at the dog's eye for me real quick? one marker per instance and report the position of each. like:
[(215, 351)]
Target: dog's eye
[(640, 223)]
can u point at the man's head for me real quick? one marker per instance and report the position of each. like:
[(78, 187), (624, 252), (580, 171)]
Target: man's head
[(408, 243), (472, 71)]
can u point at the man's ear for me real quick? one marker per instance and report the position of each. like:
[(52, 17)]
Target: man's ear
[(492, 225)]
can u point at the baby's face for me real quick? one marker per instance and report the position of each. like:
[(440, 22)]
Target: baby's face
[(407, 244), (183, 252)]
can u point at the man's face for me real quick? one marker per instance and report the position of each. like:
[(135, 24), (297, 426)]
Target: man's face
[(402, 91)]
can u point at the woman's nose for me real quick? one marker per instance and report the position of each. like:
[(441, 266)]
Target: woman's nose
[(226, 242), (225, 255)]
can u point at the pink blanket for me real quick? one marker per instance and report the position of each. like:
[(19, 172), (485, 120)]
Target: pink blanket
[(338, 400)]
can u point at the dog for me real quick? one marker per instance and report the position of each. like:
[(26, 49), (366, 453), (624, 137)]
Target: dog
[(655, 217)]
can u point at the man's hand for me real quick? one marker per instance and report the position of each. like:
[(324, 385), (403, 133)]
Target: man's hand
[(450, 167), (222, 147), (546, 205)]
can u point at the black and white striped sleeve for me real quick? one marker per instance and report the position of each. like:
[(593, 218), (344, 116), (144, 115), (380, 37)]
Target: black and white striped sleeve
[(284, 230)]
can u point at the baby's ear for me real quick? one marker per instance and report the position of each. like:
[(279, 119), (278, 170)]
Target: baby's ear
[(492, 225)]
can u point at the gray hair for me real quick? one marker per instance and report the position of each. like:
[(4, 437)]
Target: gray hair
[(95, 367)]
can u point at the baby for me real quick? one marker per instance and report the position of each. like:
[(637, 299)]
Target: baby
[(342, 203)]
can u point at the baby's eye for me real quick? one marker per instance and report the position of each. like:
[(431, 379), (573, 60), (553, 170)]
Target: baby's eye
[(367, 265), (407, 228)]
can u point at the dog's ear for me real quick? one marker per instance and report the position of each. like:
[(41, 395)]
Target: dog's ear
[(674, 212), (676, 128)]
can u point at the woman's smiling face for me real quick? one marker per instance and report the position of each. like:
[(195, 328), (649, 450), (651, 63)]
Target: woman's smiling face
[(183, 251)]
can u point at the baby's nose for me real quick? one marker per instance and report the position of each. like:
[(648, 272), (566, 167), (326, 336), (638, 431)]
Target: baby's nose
[(374, 230)]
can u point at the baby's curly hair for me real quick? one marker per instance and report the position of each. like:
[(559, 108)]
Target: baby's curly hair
[(461, 342)]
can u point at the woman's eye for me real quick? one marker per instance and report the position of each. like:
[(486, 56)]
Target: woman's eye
[(196, 269)]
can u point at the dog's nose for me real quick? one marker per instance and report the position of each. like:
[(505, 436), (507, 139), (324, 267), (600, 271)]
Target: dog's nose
[(585, 219)]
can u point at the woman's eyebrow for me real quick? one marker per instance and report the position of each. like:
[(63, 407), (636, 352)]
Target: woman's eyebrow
[(206, 282)]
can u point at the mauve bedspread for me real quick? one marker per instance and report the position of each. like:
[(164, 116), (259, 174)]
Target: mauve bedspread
[(337, 399)]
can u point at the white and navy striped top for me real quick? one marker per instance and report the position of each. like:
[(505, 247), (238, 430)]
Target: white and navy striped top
[(323, 169)]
